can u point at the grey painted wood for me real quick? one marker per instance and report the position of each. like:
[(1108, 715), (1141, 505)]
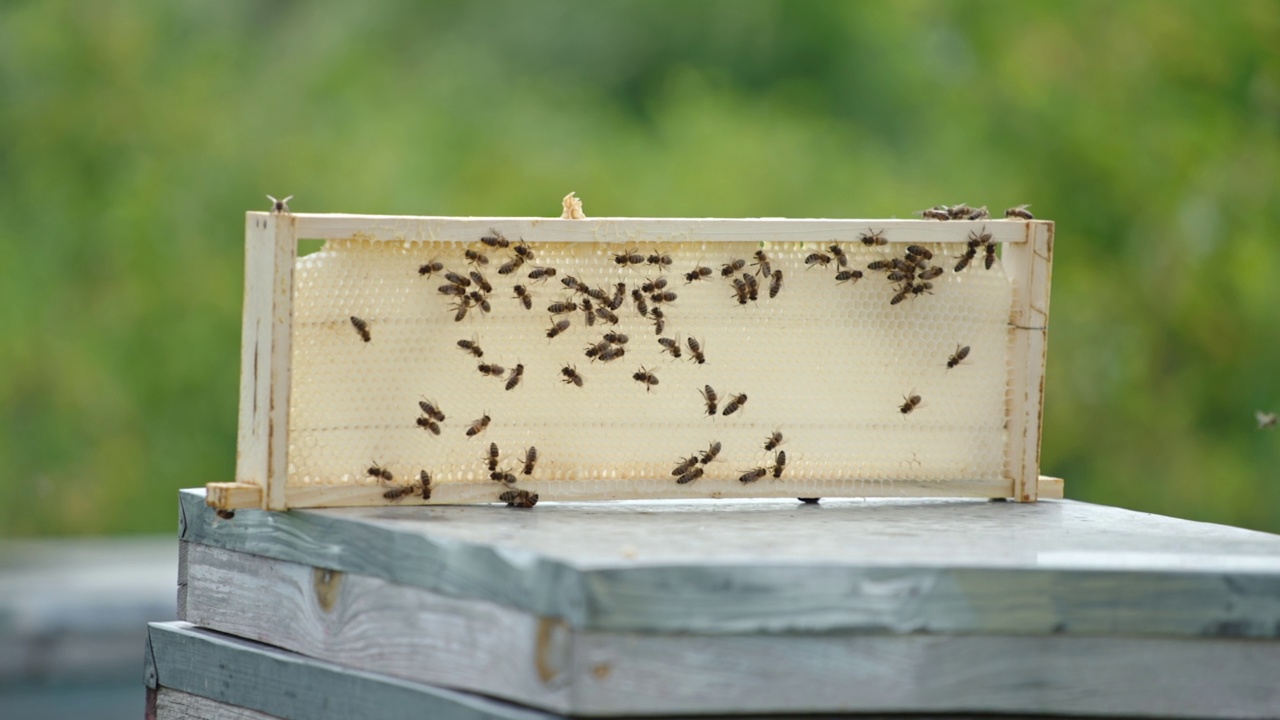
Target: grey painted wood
[(376, 626), (278, 683), (746, 566)]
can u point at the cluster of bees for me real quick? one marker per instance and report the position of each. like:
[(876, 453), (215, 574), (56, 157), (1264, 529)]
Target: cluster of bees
[(964, 212)]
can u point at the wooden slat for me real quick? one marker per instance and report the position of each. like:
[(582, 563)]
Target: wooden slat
[(1050, 488), (648, 230), (1029, 265), (178, 705), (230, 496)]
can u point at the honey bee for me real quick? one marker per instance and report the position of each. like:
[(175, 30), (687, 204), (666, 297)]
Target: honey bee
[(558, 328), (697, 273), (775, 285), (815, 259), (461, 310), (492, 457), (919, 251), (938, 212), (659, 321), (878, 265), (666, 296), (902, 295), (424, 484), (504, 477), (837, 252), (427, 423), (873, 238), (847, 275), (641, 306), (593, 351), (990, 258), (773, 440), (480, 281), (753, 287), (511, 265), (571, 376), (731, 267), (472, 347), (734, 403), (900, 275), (654, 285), (362, 328), (519, 498), (490, 369), (616, 338), (709, 397), (645, 378), (480, 300), (1020, 211), (457, 279), (695, 350), (690, 475), (958, 356), (530, 459), (921, 288), (1266, 420), (588, 312), (670, 346), (753, 475), (959, 212), (979, 214), (607, 315), (382, 474), (430, 268), (912, 401), (931, 273), (741, 290), (619, 295), (983, 238), (662, 261), (685, 464), (560, 308), (612, 353), (430, 410), (475, 257), (397, 493), (711, 453), (779, 462), (516, 373), (523, 251), (279, 206), (478, 426), (522, 294), (762, 264), (542, 273), (597, 294), (628, 257), (965, 259), (573, 283), (227, 514), (495, 239), (451, 289)]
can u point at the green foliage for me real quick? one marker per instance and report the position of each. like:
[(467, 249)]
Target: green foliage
[(136, 134)]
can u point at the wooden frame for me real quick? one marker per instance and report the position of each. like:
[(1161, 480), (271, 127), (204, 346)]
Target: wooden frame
[(271, 241)]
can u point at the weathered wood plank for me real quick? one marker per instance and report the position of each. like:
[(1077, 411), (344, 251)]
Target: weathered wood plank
[(1029, 266), (267, 680), (751, 566), (178, 705)]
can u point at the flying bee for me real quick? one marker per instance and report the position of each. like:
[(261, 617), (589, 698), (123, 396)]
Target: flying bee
[(480, 281), (279, 206), (666, 296), (558, 328), (695, 350), (644, 377), (616, 338), (619, 295), (530, 459), (511, 265), (912, 401), (517, 372), (523, 251), (475, 257), (628, 257), (779, 462), (519, 498), (571, 376), (491, 370), (522, 294), (472, 347), (560, 308), (979, 214), (938, 212), (430, 268), (734, 403), (990, 258), (427, 423), (775, 285), (662, 261), (491, 457), (958, 356), (931, 273), (380, 473), (711, 453), (504, 477), (480, 300), (697, 273), (690, 475), (837, 252), (709, 397), (919, 251), (641, 306), (495, 239), (362, 328), (685, 464), (430, 410), (731, 267), (847, 275), (753, 475), (670, 346), (773, 440), (762, 264), (1020, 211), (659, 321), (654, 285), (457, 279), (817, 258), (588, 312), (478, 426), (542, 273), (741, 291), (451, 289), (1266, 420), (614, 352), (607, 315), (873, 238)]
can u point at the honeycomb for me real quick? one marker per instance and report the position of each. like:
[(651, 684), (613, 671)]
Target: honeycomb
[(827, 364)]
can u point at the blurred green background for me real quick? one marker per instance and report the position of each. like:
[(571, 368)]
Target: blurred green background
[(134, 135)]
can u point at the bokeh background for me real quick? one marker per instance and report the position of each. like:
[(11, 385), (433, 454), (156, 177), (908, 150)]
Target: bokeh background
[(134, 135)]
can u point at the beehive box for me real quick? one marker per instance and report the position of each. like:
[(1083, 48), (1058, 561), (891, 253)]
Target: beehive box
[(355, 387)]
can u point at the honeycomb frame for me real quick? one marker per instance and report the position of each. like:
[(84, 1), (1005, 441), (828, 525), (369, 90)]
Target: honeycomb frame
[(266, 477)]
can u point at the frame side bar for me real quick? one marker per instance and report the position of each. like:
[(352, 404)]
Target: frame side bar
[(255, 351), (1029, 266), (285, 253)]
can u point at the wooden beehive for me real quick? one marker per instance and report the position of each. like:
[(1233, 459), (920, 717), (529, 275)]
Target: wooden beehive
[(340, 347)]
